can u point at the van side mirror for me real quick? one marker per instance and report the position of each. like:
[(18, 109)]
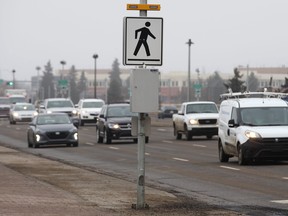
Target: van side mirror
[(231, 123)]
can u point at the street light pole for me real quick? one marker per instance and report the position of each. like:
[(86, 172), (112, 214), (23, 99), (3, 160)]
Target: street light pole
[(188, 81), (38, 86), (13, 72), (61, 76), (95, 56)]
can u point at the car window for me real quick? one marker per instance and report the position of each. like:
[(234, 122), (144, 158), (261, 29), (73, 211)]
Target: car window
[(57, 119), (24, 107), (60, 103), (4, 101), (121, 111), (92, 104), (201, 108)]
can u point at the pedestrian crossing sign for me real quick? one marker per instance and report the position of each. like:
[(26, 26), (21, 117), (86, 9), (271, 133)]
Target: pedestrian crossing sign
[(143, 41)]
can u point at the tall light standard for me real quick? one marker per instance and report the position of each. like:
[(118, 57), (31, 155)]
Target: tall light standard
[(38, 86), (61, 76), (13, 72), (188, 81), (63, 63), (95, 56)]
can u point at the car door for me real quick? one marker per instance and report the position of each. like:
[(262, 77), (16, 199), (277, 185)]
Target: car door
[(232, 133)]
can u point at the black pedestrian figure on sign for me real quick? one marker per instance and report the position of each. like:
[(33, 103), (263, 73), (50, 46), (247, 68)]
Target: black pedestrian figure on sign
[(145, 32)]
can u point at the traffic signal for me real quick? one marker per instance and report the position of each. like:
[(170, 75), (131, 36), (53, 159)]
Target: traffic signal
[(9, 83)]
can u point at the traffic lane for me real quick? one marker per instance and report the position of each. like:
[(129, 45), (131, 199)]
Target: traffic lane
[(199, 159), (185, 165)]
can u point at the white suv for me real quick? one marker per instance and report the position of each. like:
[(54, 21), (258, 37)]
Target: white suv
[(58, 105), (253, 128), (88, 109)]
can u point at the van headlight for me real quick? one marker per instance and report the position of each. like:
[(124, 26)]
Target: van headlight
[(113, 126), (252, 134), (74, 112)]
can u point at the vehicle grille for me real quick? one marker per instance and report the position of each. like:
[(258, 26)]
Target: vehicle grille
[(273, 142), (125, 126), (57, 135), (207, 121)]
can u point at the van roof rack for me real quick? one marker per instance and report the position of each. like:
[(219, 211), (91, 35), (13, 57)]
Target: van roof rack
[(264, 94)]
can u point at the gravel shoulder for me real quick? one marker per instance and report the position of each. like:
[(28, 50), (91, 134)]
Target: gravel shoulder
[(40, 186)]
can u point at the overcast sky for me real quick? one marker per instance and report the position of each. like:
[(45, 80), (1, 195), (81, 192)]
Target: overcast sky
[(226, 34)]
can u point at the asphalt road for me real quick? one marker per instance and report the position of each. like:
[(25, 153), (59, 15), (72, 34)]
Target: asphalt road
[(187, 167)]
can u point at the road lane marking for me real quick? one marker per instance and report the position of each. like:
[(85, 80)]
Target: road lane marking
[(115, 148), (88, 143), (161, 129), (285, 178), (202, 146), (166, 141), (147, 153), (280, 201), (181, 159), (231, 168)]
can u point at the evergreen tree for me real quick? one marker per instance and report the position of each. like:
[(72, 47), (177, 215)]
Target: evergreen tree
[(47, 84), (215, 87), (253, 83), (115, 86), (81, 85), (235, 84), (73, 91)]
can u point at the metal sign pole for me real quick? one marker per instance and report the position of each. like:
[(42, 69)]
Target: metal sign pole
[(141, 147)]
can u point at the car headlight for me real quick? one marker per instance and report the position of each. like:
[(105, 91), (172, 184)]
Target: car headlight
[(15, 114), (75, 135), (35, 113), (193, 121), (38, 137), (113, 126), (49, 111), (252, 134), (83, 112), (74, 112)]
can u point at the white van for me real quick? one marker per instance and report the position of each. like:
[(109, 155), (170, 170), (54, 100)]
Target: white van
[(253, 128)]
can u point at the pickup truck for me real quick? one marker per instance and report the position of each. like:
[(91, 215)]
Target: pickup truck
[(199, 118)]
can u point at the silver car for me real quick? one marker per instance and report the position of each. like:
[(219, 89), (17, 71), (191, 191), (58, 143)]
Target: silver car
[(22, 112)]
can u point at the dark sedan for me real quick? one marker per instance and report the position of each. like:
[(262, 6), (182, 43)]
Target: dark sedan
[(51, 129), (167, 112)]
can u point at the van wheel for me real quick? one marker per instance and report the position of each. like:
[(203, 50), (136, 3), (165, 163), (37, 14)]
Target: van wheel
[(223, 157), (241, 158), (106, 138), (176, 134)]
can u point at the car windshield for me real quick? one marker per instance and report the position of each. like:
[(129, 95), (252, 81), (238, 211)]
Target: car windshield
[(4, 101), (201, 108), (264, 116), (120, 111), (93, 104), (14, 100), (60, 103), (24, 107), (53, 119)]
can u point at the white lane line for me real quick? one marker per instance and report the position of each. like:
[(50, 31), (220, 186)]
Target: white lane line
[(166, 141), (202, 146), (88, 143), (17, 128), (115, 148), (285, 178), (181, 159), (231, 168), (161, 129), (147, 153), (280, 201)]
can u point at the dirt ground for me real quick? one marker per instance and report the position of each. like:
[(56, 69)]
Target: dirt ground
[(87, 192)]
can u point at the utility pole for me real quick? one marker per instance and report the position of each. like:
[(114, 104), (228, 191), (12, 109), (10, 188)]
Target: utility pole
[(188, 81)]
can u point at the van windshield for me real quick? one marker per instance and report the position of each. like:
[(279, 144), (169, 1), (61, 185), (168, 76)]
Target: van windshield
[(264, 116)]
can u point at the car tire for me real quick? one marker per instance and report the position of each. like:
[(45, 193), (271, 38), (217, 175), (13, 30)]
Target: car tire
[(75, 144), (187, 134), (99, 139), (223, 157), (146, 139), (29, 142), (106, 138), (176, 134)]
